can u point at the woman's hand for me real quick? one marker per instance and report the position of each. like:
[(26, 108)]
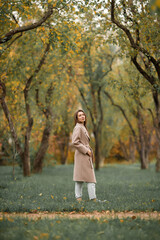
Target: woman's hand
[(89, 153)]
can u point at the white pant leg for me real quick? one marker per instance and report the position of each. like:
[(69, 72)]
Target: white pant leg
[(91, 190), (78, 189)]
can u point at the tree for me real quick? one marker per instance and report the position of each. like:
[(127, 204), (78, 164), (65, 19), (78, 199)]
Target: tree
[(134, 104), (58, 39), (139, 31), (97, 63)]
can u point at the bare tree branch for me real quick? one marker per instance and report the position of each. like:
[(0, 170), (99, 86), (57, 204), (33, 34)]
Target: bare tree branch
[(150, 79), (100, 108), (123, 112)]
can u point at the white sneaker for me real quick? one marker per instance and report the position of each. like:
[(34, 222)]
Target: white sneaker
[(97, 200)]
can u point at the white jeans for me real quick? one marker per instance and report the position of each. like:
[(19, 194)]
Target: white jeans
[(91, 190)]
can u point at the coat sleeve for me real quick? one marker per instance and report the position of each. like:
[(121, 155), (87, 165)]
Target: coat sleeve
[(76, 142)]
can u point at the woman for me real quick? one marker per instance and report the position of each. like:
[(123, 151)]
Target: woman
[(83, 158)]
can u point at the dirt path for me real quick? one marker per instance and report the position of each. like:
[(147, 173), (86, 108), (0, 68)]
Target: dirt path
[(74, 215)]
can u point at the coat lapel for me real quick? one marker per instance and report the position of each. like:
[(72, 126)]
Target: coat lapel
[(84, 130)]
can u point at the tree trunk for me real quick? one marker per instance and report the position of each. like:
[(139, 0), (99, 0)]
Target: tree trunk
[(131, 150), (63, 146), (97, 150), (38, 161), (158, 158), (157, 127), (12, 129), (26, 164), (23, 155), (143, 152), (26, 159), (143, 159)]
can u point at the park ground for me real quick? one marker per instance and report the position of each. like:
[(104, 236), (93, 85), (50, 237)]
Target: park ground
[(43, 206)]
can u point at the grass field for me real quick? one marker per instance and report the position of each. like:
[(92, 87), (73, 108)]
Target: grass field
[(125, 187), (80, 229)]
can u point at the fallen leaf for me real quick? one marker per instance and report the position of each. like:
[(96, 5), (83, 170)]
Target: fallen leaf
[(42, 235), (35, 238), (58, 221), (100, 232), (105, 221), (72, 212), (57, 237), (33, 210), (10, 219)]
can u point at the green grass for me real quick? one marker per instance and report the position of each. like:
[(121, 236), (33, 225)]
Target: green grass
[(125, 187), (24, 229)]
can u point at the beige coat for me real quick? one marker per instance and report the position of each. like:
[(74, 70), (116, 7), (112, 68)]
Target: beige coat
[(83, 163)]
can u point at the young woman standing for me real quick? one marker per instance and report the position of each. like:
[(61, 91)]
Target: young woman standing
[(83, 158)]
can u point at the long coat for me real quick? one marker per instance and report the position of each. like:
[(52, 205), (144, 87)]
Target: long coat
[(83, 163)]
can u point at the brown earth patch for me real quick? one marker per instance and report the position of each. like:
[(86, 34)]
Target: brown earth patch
[(75, 215)]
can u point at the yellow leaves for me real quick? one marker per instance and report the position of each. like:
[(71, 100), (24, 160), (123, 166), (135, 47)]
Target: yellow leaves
[(105, 221), (10, 219), (44, 235), (64, 198), (54, 5), (35, 238), (58, 221), (49, 1), (52, 196), (57, 237), (12, 53), (71, 52), (157, 3), (1, 219), (3, 75), (44, 39), (43, 28)]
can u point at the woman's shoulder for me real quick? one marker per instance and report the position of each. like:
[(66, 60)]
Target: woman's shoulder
[(77, 126)]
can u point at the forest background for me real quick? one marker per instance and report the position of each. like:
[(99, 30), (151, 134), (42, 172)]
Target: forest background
[(59, 56)]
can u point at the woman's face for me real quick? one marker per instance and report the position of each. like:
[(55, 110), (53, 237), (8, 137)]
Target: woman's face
[(81, 117)]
